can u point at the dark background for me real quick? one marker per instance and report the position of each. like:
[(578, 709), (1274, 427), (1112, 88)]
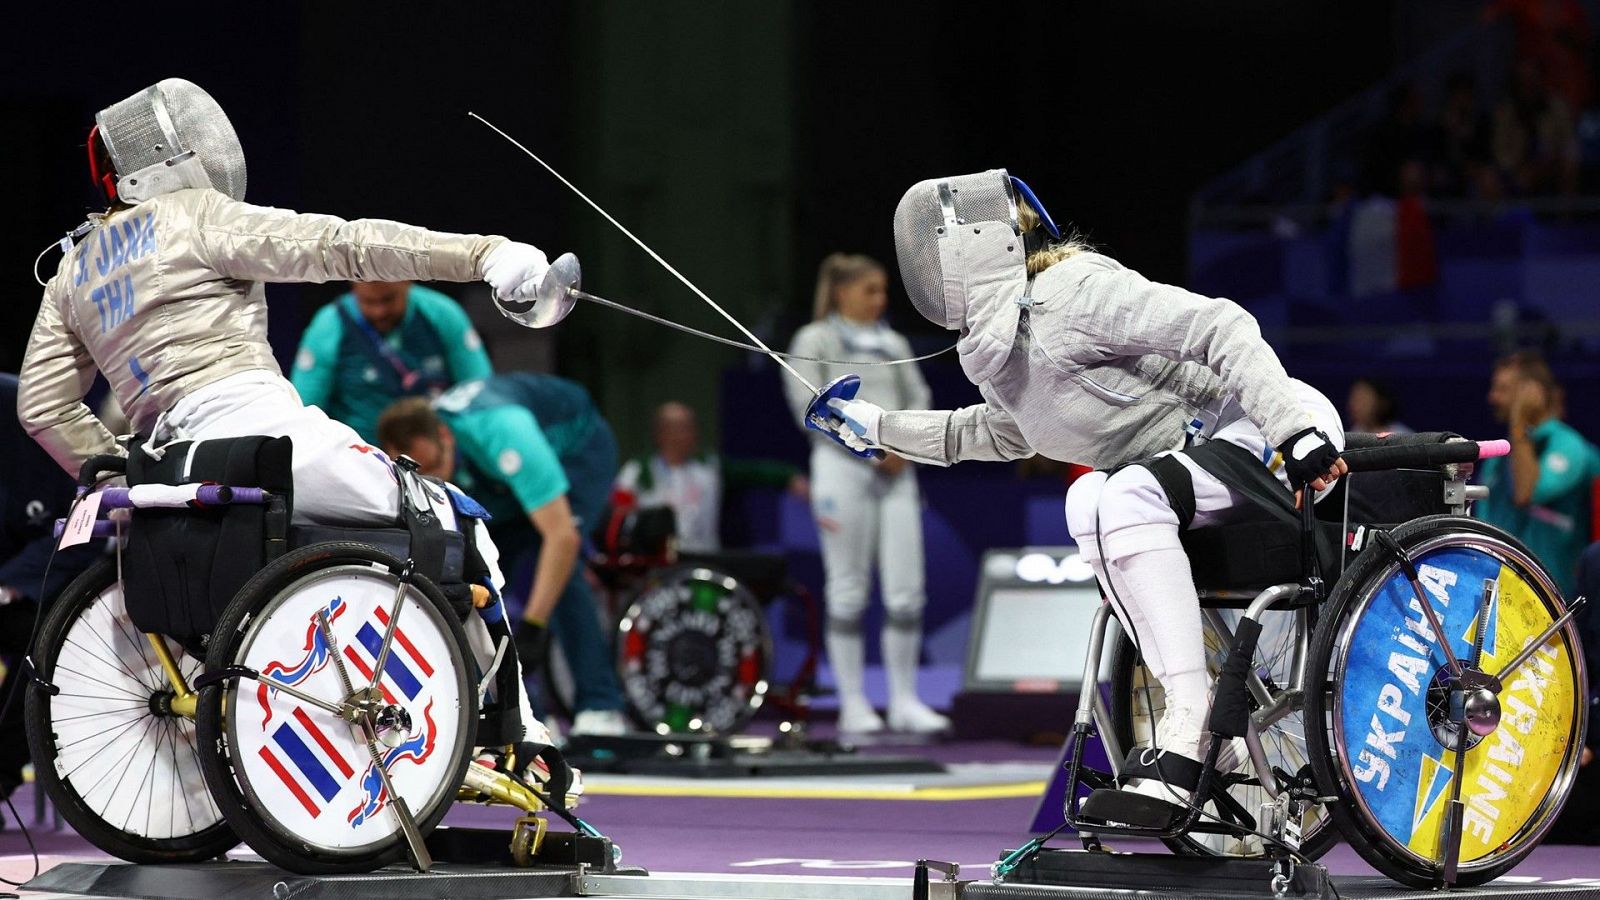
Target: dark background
[(744, 140)]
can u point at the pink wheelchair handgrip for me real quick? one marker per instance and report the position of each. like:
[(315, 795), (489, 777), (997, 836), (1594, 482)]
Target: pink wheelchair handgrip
[(1490, 449)]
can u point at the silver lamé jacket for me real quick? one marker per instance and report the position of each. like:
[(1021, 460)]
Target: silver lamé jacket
[(1105, 368), (167, 296)]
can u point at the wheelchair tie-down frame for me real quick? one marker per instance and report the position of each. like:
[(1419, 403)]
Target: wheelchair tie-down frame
[(1491, 716), (352, 706)]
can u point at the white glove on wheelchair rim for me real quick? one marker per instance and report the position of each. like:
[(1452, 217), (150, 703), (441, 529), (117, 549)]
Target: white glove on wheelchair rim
[(859, 419), (514, 270)]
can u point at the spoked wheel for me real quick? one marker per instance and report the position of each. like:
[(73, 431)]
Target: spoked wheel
[(1138, 702), (122, 769), (694, 652), (1387, 740), (301, 782)]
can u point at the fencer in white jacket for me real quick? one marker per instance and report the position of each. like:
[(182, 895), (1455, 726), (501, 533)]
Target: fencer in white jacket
[(1086, 361), (869, 515)]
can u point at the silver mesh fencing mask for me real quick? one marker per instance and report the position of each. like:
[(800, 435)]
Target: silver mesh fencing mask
[(169, 136), (963, 261)]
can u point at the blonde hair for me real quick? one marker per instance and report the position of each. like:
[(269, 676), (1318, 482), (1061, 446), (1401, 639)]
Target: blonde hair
[(836, 271), (1052, 253)]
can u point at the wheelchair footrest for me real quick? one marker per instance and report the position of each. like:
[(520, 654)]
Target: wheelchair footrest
[(1156, 875), (1129, 809)]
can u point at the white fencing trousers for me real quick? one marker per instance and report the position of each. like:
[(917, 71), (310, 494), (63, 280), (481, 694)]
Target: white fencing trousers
[(338, 478), (864, 517), (1135, 550)]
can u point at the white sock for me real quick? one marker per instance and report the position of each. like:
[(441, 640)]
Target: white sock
[(902, 651), (1157, 588), (847, 658)]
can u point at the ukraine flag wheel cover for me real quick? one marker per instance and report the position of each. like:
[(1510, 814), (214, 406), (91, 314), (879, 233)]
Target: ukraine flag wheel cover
[(1388, 744), (298, 782)]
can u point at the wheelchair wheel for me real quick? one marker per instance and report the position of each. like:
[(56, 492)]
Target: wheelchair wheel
[(1137, 702), (1384, 739), (299, 783), (694, 653), (122, 771)]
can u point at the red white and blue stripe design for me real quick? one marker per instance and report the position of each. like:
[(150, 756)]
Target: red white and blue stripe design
[(303, 757), (406, 667)]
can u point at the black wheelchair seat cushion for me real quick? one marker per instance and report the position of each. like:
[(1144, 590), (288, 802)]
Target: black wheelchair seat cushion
[(181, 567), (1257, 553), (394, 541)]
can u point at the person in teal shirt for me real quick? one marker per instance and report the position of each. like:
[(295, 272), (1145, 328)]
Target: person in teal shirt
[(382, 341), (535, 452), (1542, 492)]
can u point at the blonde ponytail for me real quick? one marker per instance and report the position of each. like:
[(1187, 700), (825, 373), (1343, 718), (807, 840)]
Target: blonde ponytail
[(1055, 252)]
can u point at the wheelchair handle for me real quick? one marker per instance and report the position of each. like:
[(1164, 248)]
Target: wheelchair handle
[(1422, 456), (89, 473), (175, 496)]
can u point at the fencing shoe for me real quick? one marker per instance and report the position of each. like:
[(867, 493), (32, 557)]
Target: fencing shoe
[(912, 716), (603, 722), (858, 717)]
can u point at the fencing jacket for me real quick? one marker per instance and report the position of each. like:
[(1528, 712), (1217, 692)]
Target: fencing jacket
[(167, 296), (1108, 367)]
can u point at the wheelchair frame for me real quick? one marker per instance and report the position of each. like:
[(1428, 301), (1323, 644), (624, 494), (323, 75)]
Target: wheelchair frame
[(480, 783), (1280, 819)]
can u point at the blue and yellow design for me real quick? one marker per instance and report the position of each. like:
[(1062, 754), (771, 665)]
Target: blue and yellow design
[(1400, 768)]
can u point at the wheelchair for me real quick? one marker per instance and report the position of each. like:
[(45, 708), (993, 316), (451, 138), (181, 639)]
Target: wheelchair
[(307, 689), (1425, 702)]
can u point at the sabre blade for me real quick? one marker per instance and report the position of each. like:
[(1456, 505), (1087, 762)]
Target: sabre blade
[(653, 254), (726, 342)]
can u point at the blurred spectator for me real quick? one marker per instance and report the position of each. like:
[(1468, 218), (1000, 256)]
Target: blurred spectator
[(1535, 139), (692, 483), (1463, 139), (1416, 260), (535, 452), (1404, 134), (34, 492), (380, 342), (1555, 36), (1541, 492), (1372, 407)]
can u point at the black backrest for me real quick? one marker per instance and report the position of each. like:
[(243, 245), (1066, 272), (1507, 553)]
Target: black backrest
[(182, 566)]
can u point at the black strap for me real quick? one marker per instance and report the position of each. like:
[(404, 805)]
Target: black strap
[(416, 513), (1177, 483), (1230, 711), (1175, 769), (1243, 473)]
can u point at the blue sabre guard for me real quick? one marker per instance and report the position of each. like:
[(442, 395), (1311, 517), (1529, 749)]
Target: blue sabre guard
[(820, 418)]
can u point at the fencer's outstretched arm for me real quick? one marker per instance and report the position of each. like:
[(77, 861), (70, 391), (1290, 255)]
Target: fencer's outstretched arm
[(57, 371), (258, 243), (1113, 311), (943, 437)]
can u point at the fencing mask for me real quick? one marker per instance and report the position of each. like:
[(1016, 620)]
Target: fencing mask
[(166, 137), (963, 259)]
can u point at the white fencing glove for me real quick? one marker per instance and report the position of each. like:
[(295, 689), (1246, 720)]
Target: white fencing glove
[(514, 270), (860, 417)]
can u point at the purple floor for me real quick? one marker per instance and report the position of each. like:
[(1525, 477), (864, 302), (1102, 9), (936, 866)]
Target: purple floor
[(815, 837)]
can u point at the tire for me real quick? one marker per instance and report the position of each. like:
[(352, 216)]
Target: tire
[(693, 653), (107, 675), (289, 789), (1365, 653), (1134, 693)]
